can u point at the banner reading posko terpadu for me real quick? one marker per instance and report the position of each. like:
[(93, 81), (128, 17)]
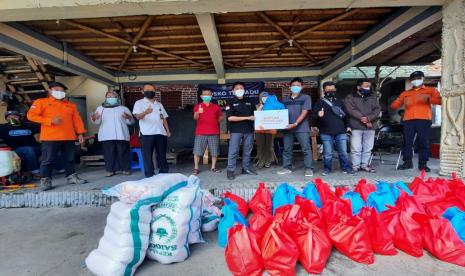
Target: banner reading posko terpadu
[(223, 93)]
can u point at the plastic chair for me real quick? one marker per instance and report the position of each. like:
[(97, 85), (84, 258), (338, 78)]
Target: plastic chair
[(140, 162)]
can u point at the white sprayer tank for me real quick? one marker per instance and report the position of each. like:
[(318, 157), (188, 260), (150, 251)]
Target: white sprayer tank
[(6, 161)]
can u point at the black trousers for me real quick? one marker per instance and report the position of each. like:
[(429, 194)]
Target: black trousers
[(422, 128), (116, 154), (148, 144), (50, 150)]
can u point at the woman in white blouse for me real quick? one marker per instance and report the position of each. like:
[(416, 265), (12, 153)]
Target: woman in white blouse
[(113, 133)]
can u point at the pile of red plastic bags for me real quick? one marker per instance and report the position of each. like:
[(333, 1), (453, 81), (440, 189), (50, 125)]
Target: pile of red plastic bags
[(381, 218)]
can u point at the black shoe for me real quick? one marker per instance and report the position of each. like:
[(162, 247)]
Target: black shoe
[(423, 167), (406, 166), (230, 175), (248, 171)]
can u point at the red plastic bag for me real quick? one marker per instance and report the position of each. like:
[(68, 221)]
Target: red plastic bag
[(410, 204), (242, 253), (381, 239), (314, 247), (261, 200), (310, 212), (289, 217), (326, 194), (437, 208), (349, 234), (364, 188), (441, 240), (429, 190), (242, 205), (341, 190), (279, 251), (259, 223), (407, 233)]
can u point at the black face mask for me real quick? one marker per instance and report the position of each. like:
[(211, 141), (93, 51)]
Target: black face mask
[(149, 94), (330, 94)]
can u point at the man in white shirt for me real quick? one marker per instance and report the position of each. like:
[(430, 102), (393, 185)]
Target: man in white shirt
[(154, 130)]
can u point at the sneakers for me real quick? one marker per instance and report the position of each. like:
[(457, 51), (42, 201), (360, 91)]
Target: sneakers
[(325, 172), (349, 172), (284, 171), (75, 179), (249, 171), (308, 172), (45, 184), (230, 175), (406, 166)]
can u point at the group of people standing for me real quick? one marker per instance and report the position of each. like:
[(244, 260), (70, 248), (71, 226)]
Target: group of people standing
[(355, 118), (338, 121)]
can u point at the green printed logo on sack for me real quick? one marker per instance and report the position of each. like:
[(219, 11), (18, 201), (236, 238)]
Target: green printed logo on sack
[(159, 241)]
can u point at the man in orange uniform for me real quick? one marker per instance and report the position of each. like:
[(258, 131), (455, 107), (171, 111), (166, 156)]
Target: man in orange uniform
[(59, 123), (417, 119)]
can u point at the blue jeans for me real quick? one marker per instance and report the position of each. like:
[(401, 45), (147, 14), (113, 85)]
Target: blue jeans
[(29, 158), (304, 141), (234, 147), (340, 141)]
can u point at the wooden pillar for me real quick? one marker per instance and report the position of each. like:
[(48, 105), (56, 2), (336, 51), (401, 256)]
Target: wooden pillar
[(453, 88)]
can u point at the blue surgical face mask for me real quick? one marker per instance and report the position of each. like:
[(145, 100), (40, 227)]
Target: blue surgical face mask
[(111, 101), (206, 99), (365, 91), (296, 89)]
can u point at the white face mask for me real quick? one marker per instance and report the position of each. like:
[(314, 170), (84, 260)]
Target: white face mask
[(417, 83), (59, 95), (239, 93), (264, 99)]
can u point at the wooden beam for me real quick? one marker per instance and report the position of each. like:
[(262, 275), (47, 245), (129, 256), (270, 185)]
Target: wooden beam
[(43, 69), (207, 26), (10, 58), (263, 16), (37, 72), (127, 42), (136, 39), (300, 34)]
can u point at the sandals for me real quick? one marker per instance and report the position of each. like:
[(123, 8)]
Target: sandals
[(215, 170), (110, 174), (195, 171), (126, 172), (368, 169)]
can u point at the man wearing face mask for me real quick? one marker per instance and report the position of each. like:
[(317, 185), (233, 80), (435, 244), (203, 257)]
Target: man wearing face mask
[(154, 130), (298, 105), (333, 124), (363, 109), (20, 136), (241, 127), (417, 119), (60, 122), (207, 132)]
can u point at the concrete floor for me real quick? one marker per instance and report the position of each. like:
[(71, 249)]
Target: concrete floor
[(385, 171), (56, 242)]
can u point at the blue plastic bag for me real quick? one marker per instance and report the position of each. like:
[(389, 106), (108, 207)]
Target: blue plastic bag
[(383, 196), (355, 200), (284, 194), (310, 192), (401, 186), (457, 219), (272, 103), (230, 217)]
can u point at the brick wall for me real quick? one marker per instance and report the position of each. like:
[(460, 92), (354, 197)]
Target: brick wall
[(174, 96)]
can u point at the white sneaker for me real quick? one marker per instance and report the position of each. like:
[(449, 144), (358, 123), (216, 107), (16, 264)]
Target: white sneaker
[(284, 171), (308, 172)]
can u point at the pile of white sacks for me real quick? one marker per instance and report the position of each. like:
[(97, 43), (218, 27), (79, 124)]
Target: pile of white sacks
[(158, 217)]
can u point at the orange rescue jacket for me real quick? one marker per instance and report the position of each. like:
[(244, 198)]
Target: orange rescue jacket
[(418, 102), (44, 110)]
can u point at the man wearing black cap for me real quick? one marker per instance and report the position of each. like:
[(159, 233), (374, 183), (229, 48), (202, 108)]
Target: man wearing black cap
[(61, 125), (20, 136), (417, 119)]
